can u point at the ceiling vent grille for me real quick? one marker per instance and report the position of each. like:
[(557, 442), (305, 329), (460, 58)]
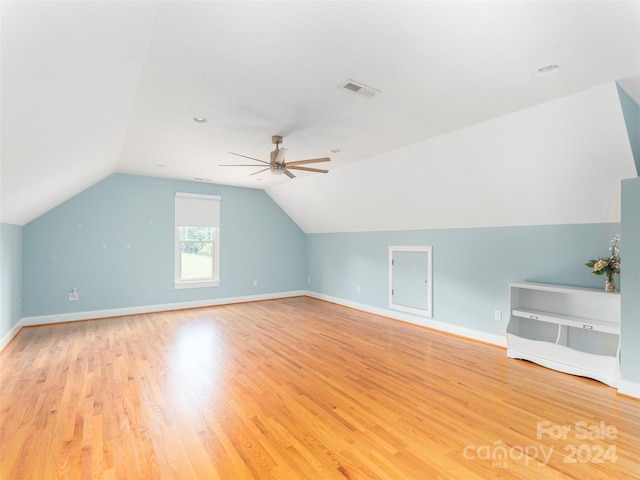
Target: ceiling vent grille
[(359, 88)]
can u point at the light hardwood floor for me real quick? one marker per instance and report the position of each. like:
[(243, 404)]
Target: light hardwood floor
[(296, 389)]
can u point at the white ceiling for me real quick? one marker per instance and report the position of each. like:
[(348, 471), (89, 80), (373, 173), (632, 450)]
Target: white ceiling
[(92, 88)]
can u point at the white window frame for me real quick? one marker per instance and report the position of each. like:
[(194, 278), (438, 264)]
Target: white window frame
[(214, 281)]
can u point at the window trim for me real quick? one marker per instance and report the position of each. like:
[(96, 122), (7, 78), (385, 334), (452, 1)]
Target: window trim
[(213, 281)]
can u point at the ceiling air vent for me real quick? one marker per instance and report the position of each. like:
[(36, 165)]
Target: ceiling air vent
[(359, 88)]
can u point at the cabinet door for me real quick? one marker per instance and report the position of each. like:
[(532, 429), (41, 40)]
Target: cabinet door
[(410, 279)]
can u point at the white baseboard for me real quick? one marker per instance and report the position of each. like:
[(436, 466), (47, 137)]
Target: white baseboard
[(417, 320), (10, 334), (118, 312), (625, 387), (631, 389)]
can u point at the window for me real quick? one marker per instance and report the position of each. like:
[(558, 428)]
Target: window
[(197, 245)]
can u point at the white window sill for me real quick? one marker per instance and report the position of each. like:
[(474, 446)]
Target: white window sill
[(196, 284)]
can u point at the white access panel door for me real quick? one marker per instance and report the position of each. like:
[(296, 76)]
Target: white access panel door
[(410, 279)]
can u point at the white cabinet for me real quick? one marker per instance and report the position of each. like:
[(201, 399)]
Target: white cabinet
[(570, 329)]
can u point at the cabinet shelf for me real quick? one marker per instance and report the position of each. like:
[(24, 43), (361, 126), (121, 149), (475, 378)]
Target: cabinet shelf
[(569, 320), (571, 329)]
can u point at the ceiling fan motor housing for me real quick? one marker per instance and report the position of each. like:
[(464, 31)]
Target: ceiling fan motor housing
[(276, 168)]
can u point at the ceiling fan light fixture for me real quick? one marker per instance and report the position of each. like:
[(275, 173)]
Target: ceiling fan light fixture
[(280, 157)]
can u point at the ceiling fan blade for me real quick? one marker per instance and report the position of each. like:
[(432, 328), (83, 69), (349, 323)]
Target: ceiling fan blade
[(311, 160), (288, 173), (307, 169), (250, 158), (237, 165), (260, 171)]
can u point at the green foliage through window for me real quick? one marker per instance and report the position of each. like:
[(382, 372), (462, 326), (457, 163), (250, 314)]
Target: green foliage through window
[(196, 248)]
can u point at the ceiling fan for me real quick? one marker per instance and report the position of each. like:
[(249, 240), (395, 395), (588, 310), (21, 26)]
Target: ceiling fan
[(278, 164)]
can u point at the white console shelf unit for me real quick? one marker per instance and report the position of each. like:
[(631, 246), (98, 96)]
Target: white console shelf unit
[(571, 329)]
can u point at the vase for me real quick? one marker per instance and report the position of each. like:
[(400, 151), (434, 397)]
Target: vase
[(610, 285)]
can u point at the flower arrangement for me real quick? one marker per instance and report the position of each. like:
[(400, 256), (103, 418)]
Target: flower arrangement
[(608, 266)]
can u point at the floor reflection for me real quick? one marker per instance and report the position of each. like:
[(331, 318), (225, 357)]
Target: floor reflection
[(195, 365)]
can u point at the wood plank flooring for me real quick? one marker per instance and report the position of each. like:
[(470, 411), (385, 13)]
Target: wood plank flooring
[(296, 389)]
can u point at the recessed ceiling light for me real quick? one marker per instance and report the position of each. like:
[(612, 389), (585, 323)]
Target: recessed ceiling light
[(335, 150), (160, 165), (199, 119), (546, 70), (198, 179)]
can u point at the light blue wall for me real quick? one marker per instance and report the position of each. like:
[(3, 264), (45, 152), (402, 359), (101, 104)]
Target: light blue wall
[(114, 242), (631, 113), (471, 267), (630, 328), (10, 276)]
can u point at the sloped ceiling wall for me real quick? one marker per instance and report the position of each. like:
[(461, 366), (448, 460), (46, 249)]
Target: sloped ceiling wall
[(557, 163), (629, 92), (93, 88), (68, 88)]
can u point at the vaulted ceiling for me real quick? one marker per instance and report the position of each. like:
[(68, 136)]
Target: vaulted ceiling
[(93, 88)]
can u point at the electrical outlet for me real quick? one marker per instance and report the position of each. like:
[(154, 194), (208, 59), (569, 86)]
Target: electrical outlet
[(255, 283), (358, 289), (309, 280), (73, 295), (497, 315)]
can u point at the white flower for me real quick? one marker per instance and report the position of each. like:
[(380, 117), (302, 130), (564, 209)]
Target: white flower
[(599, 265)]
